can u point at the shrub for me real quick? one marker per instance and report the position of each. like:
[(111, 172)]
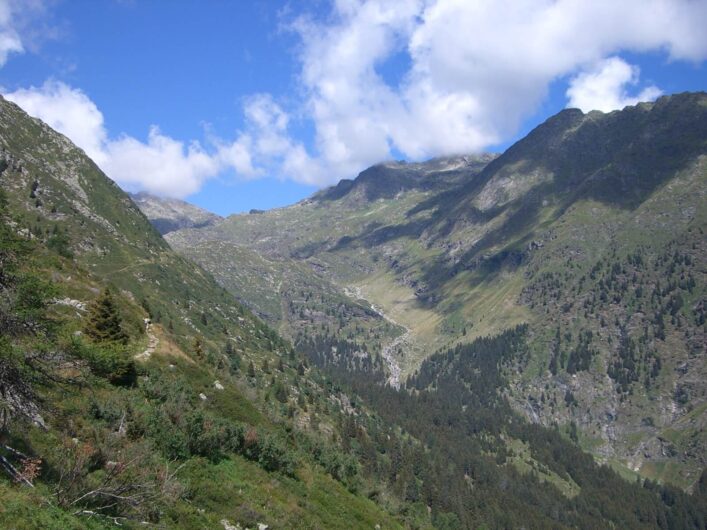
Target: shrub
[(273, 455)]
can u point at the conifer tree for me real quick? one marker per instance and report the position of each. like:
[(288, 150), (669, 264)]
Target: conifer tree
[(104, 322), (281, 393)]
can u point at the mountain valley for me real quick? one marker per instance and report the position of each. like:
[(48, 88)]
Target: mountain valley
[(590, 230), (488, 341)]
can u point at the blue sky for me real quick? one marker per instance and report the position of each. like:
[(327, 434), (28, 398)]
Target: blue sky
[(239, 105)]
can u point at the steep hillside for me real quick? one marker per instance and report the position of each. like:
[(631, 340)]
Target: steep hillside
[(292, 297), (133, 389), (590, 230)]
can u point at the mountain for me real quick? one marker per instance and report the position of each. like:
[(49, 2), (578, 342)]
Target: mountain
[(168, 215), (385, 181), (134, 390), (590, 231), (306, 232)]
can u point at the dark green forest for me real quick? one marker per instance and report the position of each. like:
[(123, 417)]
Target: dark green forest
[(453, 455)]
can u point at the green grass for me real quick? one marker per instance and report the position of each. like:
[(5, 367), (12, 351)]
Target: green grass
[(241, 492), (23, 508)]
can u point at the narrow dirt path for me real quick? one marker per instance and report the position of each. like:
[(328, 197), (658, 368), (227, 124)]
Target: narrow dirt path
[(152, 342)]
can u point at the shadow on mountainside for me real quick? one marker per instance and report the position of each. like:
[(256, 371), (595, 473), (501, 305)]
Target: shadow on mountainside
[(619, 159)]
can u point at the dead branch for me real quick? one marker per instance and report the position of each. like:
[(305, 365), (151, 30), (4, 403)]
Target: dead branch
[(12, 471)]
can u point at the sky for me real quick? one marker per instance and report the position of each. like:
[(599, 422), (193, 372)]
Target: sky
[(257, 104)]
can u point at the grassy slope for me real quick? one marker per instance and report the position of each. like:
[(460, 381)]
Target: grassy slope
[(110, 243)]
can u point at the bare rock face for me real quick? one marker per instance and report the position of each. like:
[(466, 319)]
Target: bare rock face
[(168, 215)]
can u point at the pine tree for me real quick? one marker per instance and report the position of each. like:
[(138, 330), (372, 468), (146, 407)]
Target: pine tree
[(281, 393), (104, 322)]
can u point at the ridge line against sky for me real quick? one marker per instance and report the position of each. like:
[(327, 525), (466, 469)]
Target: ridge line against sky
[(255, 105)]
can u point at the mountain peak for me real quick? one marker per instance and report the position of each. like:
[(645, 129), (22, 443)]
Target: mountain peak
[(386, 179), (168, 215)]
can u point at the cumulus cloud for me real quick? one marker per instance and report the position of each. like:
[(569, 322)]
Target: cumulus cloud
[(160, 165), (605, 87), (67, 110), (465, 76), (271, 149), (476, 70), (166, 166)]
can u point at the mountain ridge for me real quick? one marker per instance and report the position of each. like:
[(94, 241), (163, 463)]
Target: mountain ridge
[(456, 263), (387, 179), (168, 215)]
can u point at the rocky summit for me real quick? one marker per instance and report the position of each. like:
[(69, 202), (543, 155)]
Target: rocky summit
[(168, 215)]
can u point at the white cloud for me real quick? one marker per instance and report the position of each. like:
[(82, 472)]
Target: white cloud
[(161, 165), (270, 148), (604, 87), (10, 41), (67, 110), (166, 166), (472, 72), (237, 155), (476, 70), (16, 21)]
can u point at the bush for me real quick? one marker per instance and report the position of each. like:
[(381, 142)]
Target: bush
[(341, 466), (113, 363), (167, 437), (60, 243), (273, 455), (32, 295)]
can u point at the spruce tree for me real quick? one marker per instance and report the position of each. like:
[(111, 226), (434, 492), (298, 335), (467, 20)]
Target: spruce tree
[(104, 322)]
